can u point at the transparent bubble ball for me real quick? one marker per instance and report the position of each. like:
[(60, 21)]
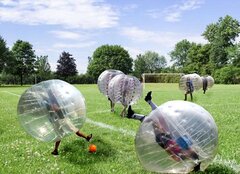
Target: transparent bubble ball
[(192, 137), (52, 109), (125, 89), (210, 81), (195, 78), (104, 79)]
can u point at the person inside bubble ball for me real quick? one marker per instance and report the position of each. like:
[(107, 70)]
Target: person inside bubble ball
[(189, 89), (179, 148), (112, 104), (124, 102), (205, 84), (58, 119)]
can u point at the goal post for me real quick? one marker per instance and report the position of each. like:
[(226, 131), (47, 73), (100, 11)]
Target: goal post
[(161, 78)]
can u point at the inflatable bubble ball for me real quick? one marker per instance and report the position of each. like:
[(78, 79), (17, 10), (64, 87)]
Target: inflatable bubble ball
[(210, 81), (176, 137), (52, 109), (125, 89), (104, 79), (195, 78)]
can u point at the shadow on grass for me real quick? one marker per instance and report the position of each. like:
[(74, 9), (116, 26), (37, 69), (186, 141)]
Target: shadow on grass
[(1, 131), (76, 152), (14, 86), (217, 169)]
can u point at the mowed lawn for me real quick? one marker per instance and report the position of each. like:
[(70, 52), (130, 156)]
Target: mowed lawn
[(113, 135)]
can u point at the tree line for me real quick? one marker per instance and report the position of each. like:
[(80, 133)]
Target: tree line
[(220, 58)]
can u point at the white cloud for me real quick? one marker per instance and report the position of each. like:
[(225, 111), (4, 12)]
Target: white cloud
[(81, 14), (154, 13), (8, 2), (159, 37), (158, 41), (133, 51), (130, 7), (237, 40), (69, 35), (190, 5), (75, 45), (174, 13)]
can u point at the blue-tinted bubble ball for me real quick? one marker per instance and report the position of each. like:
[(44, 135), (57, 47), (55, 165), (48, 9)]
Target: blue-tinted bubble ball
[(176, 137)]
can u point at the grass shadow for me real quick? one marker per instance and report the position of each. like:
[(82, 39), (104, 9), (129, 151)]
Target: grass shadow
[(1, 131), (14, 86), (217, 169), (77, 153)]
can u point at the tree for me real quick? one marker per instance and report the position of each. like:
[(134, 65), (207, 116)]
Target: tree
[(234, 55), (198, 60), (154, 62), (221, 36), (150, 62), (139, 65), (180, 52), (24, 56), (227, 75), (66, 67), (4, 54), (109, 57), (43, 68)]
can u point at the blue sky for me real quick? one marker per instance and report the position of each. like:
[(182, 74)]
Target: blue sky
[(80, 26)]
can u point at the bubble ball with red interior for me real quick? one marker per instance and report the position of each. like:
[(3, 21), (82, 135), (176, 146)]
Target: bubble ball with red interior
[(176, 137)]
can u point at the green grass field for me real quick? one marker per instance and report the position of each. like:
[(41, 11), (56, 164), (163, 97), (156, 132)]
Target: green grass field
[(113, 135)]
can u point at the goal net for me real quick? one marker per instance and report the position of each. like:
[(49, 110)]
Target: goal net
[(161, 77)]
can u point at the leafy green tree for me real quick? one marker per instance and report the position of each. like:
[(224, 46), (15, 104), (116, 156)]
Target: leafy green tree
[(180, 52), (234, 55), (139, 65), (66, 67), (149, 62), (24, 56), (221, 36), (43, 68), (109, 57), (154, 62), (198, 60), (227, 75), (4, 54)]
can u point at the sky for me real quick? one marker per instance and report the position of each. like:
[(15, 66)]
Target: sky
[(81, 26)]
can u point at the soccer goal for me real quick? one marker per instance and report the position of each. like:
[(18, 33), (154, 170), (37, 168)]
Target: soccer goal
[(161, 78)]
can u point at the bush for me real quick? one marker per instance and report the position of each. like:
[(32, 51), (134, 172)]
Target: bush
[(9, 79), (85, 79), (227, 75), (163, 78)]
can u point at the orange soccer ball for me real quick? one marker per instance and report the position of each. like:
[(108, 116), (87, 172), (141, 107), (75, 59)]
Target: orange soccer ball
[(92, 148)]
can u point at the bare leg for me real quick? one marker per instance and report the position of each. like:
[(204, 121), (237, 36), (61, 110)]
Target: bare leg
[(88, 138), (111, 105), (55, 151), (123, 113)]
